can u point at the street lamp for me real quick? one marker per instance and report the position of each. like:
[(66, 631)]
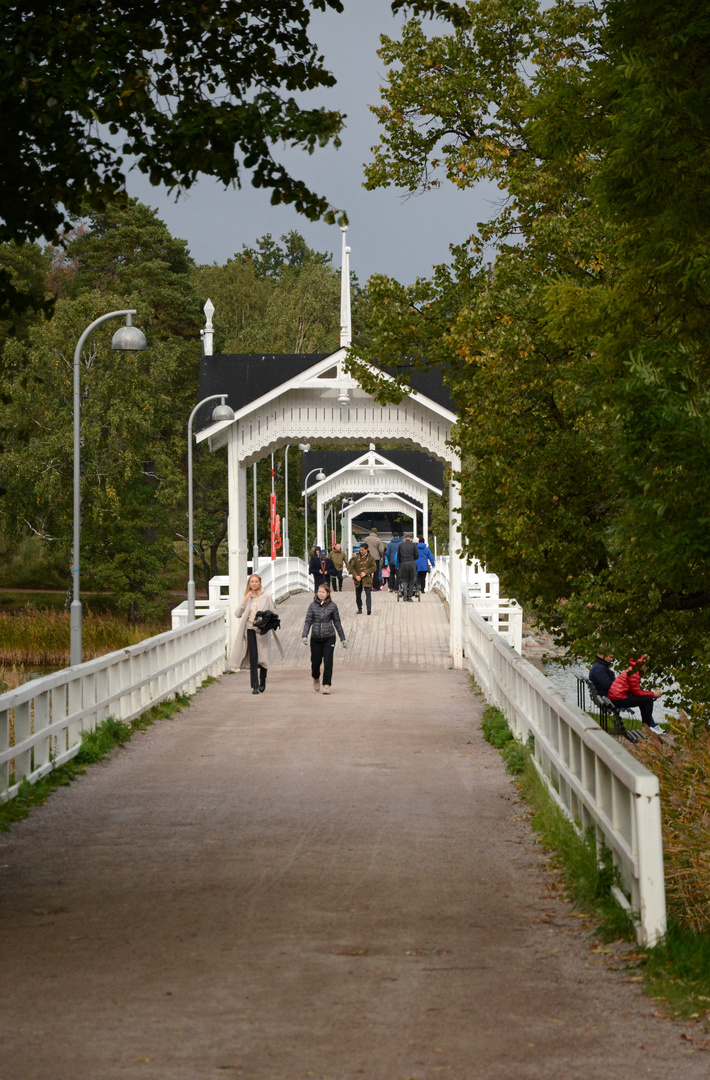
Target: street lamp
[(127, 338), (319, 477), (221, 412)]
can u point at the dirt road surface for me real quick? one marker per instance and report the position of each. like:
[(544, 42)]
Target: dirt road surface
[(293, 885)]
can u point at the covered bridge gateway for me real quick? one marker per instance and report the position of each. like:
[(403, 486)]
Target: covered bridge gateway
[(309, 397)]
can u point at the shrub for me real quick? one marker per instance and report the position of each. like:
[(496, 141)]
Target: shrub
[(495, 728), (683, 771)]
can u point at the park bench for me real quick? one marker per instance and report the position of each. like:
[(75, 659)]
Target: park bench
[(607, 710)]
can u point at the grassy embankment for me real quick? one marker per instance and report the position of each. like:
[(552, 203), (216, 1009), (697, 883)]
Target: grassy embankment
[(677, 971)]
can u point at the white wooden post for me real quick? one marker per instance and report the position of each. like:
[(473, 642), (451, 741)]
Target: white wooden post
[(455, 612), (425, 517), (237, 529), (320, 521)]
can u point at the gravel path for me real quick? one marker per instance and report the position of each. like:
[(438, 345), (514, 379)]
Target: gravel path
[(291, 886)]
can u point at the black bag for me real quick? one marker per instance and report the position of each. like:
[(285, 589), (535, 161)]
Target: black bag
[(265, 621)]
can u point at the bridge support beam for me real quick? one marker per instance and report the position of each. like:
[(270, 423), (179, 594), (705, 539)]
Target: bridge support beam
[(237, 534), (455, 599)]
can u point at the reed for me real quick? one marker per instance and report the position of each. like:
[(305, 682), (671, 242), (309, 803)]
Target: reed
[(683, 771), (41, 638)]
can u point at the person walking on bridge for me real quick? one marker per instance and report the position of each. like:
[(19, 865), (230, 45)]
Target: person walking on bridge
[(321, 567), (407, 556), (337, 557), (361, 568), (424, 560), (376, 548), (250, 646), (322, 620), (391, 556)]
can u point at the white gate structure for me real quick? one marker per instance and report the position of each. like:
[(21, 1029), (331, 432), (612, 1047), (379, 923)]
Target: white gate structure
[(279, 400), (594, 780), (41, 722), (386, 503)]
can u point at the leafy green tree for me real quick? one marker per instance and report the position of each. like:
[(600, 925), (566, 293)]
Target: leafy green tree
[(134, 407), (85, 87), (579, 359)]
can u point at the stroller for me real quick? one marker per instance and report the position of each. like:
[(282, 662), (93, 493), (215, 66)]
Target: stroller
[(402, 589)]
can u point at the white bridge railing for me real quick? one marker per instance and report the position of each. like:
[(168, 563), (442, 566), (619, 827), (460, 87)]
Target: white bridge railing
[(590, 775), (41, 722), (278, 576)]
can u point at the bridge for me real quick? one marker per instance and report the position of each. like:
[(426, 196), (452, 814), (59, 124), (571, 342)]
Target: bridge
[(290, 885), (296, 885)]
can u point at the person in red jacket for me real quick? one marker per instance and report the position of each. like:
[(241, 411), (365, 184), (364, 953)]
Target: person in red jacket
[(626, 692)]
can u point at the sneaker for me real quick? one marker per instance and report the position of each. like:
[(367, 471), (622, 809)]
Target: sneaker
[(359, 611), (316, 685), (656, 729), (326, 689)]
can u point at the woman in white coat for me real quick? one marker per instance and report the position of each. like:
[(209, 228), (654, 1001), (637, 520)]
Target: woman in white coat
[(250, 646)]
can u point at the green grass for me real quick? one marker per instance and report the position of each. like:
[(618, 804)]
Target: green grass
[(95, 745), (677, 971), (586, 881)]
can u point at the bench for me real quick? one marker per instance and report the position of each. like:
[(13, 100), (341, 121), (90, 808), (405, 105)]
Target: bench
[(607, 710)]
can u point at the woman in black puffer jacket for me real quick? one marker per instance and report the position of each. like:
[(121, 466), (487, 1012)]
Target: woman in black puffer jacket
[(322, 620)]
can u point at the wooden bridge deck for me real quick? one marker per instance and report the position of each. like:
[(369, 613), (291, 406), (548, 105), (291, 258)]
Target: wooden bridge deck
[(288, 886)]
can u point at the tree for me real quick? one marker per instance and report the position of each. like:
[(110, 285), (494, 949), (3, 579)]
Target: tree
[(184, 88), (134, 407), (579, 359)]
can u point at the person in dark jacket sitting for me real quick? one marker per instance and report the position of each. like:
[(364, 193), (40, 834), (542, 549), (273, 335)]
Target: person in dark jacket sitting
[(407, 555), (600, 674), (322, 620)]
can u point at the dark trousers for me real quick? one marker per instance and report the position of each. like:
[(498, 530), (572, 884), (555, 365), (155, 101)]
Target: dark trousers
[(337, 581), (322, 650), (318, 580), (636, 701), (376, 580), (393, 578), (421, 574), (253, 659), (368, 596), (407, 576)]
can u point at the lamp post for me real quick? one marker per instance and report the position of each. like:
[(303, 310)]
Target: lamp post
[(221, 412), (127, 338), (319, 477)]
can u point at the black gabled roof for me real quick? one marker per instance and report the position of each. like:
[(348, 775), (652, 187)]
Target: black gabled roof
[(415, 462), (244, 377)]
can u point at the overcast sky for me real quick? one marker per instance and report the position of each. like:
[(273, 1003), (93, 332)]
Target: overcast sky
[(388, 234)]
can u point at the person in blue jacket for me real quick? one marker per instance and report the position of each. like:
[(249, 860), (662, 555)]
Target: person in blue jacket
[(424, 560), (391, 559)]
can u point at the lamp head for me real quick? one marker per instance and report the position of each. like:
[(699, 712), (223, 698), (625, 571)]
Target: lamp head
[(222, 412), (129, 338), (320, 475)]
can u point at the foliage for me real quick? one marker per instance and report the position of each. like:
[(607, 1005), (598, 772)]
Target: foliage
[(579, 358), (683, 771), (134, 407), (41, 638), (193, 88), (677, 970)]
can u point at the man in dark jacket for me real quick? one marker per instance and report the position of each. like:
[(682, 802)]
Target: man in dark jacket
[(600, 674), (321, 567), (407, 561)]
